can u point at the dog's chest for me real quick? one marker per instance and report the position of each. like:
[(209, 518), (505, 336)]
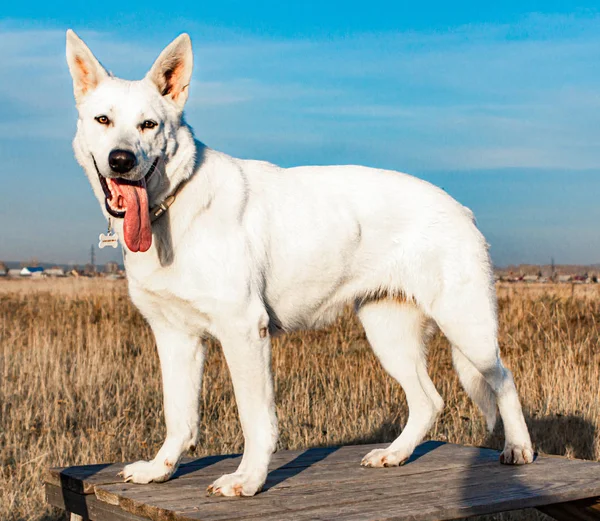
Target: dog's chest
[(164, 301)]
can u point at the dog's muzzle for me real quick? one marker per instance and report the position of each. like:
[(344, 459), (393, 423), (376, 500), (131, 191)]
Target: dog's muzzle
[(107, 192)]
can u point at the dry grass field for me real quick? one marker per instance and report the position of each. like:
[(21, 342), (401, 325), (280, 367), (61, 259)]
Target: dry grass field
[(80, 383)]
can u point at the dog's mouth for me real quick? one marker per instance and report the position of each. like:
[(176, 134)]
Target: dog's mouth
[(128, 200)]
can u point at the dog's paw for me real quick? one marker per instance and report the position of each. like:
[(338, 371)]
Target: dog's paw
[(384, 458), (147, 471), (514, 454), (236, 484)]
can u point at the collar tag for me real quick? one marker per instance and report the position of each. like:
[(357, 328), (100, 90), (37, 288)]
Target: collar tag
[(108, 239)]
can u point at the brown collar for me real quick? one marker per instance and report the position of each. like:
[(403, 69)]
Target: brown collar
[(160, 209)]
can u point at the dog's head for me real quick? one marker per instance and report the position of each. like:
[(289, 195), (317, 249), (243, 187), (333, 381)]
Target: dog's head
[(127, 129)]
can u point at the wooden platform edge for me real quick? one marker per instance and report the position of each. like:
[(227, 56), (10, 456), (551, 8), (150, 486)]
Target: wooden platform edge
[(86, 505), (57, 477), (89, 507), (580, 510)]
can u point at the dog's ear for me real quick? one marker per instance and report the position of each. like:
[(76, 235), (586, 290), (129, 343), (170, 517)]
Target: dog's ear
[(172, 70), (86, 70)]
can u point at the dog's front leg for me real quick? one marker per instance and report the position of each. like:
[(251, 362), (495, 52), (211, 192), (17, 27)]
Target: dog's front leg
[(181, 360), (248, 355)]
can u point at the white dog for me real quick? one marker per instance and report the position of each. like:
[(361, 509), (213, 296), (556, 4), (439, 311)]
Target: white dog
[(244, 249)]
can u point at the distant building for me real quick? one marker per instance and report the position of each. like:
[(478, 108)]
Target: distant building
[(14, 272), (3, 270), (111, 268), (55, 271), (531, 278), (564, 278), (29, 271)]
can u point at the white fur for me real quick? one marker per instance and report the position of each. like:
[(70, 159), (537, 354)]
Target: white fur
[(248, 245)]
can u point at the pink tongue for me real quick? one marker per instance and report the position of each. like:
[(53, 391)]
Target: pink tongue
[(136, 228)]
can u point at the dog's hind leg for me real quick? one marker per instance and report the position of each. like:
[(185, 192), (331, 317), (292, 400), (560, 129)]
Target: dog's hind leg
[(396, 332), (467, 316)]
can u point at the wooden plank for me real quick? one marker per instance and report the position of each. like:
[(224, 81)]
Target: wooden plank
[(87, 506), (338, 462), (84, 478), (411, 489), (284, 502), (81, 479), (323, 473), (447, 500), (442, 481), (582, 510), (451, 503)]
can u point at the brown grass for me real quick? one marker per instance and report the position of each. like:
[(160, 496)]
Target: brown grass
[(79, 383)]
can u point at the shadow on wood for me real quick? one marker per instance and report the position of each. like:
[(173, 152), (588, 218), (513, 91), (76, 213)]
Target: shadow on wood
[(548, 434), (86, 471), (294, 467)]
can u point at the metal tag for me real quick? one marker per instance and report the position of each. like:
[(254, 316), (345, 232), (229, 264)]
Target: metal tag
[(108, 239)]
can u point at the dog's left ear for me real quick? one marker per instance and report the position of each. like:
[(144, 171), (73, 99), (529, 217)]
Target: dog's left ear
[(172, 70)]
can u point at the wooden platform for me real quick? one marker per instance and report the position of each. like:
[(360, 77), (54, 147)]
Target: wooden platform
[(441, 481)]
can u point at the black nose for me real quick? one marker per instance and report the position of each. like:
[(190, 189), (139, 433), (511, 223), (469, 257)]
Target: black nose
[(121, 161)]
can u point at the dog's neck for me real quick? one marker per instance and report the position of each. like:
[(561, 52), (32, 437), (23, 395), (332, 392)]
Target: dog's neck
[(177, 168), (211, 182)]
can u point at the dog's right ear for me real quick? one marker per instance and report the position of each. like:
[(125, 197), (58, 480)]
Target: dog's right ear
[(86, 70)]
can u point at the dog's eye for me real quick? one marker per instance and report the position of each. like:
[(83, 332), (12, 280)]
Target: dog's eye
[(148, 124), (103, 120)]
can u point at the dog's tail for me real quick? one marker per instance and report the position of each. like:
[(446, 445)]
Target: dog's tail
[(476, 386)]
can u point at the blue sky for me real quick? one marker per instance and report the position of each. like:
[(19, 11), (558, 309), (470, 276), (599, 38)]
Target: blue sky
[(498, 104)]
